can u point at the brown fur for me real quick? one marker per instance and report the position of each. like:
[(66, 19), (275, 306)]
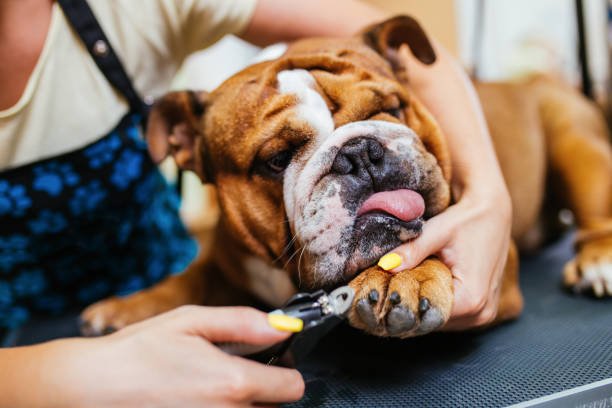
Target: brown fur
[(548, 138), (430, 280)]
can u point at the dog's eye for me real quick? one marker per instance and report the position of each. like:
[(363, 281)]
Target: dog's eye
[(279, 163), (395, 112)]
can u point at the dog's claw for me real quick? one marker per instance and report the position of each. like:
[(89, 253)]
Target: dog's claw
[(373, 296), (406, 304), (423, 305), (395, 298)]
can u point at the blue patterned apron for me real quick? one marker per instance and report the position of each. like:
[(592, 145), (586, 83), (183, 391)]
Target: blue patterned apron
[(91, 223)]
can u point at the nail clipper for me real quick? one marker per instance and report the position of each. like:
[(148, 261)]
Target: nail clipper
[(320, 313)]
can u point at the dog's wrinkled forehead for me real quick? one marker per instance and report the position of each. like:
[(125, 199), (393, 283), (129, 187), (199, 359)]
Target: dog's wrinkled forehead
[(227, 130), (311, 107), (351, 80)]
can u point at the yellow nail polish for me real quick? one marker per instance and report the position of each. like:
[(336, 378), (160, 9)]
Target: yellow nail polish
[(285, 323), (390, 261)]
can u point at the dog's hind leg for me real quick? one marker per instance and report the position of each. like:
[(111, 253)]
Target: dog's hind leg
[(580, 166)]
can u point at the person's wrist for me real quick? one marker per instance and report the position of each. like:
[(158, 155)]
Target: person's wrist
[(51, 369), (490, 195), (70, 370)]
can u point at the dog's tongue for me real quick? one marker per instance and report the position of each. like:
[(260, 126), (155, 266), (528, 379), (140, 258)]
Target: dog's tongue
[(405, 205)]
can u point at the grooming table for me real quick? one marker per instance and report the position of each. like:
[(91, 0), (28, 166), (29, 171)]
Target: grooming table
[(560, 342)]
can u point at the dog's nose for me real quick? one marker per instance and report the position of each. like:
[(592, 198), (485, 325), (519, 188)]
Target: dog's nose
[(360, 156)]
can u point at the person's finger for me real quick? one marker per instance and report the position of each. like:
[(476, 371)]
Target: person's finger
[(228, 324), (434, 237), (472, 307), (468, 301), (481, 319), (267, 384), (454, 325), (465, 308)]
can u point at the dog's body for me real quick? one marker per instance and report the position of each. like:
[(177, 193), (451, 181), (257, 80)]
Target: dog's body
[(309, 154)]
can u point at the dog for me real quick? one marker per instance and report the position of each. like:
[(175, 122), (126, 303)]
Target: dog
[(307, 152)]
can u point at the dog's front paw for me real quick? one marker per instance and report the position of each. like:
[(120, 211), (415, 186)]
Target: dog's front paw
[(406, 304), (109, 315), (591, 270)]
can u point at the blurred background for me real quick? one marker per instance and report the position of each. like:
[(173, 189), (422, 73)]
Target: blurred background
[(494, 39)]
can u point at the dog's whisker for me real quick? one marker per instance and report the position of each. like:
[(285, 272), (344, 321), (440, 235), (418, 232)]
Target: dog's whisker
[(299, 265), (291, 257), (286, 249)]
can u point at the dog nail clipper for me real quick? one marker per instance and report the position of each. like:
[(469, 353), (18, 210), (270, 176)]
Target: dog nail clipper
[(309, 316)]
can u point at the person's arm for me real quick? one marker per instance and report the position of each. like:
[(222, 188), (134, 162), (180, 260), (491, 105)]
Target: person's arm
[(282, 20), (164, 361), (481, 218)]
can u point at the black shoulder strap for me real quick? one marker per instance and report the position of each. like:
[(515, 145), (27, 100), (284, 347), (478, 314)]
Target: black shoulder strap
[(84, 22)]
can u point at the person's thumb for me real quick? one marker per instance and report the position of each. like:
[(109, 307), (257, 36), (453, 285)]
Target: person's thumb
[(412, 253), (229, 324)]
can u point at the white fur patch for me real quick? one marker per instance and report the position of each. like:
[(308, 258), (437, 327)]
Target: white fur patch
[(272, 285), (311, 108), (599, 277)]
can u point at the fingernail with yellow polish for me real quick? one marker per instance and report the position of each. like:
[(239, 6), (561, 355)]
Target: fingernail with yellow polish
[(390, 261), (285, 323)]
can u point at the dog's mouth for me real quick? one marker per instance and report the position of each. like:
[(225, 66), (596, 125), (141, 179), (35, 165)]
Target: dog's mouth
[(384, 221), (346, 219), (404, 205)]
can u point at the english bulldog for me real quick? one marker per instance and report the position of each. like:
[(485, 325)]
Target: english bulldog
[(324, 160)]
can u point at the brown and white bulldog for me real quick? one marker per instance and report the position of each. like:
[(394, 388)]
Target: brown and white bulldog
[(324, 160)]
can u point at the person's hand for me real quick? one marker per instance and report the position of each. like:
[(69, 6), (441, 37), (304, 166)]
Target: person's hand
[(472, 238), (169, 361)]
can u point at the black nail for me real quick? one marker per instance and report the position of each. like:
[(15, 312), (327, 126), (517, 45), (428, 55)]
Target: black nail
[(423, 305), (373, 296), (395, 298)]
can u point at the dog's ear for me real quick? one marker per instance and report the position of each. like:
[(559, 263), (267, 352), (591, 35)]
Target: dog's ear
[(387, 37), (174, 127)]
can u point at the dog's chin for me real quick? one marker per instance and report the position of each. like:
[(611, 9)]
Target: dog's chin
[(372, 235), (375, 234)]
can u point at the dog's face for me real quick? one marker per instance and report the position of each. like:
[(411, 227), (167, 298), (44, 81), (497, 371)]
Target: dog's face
[(323, 159)]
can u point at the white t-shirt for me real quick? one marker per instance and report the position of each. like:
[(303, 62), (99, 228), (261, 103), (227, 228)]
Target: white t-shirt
[(68, 103)]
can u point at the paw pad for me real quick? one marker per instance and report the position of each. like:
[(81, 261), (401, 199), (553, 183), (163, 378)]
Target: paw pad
[(399, 320)]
